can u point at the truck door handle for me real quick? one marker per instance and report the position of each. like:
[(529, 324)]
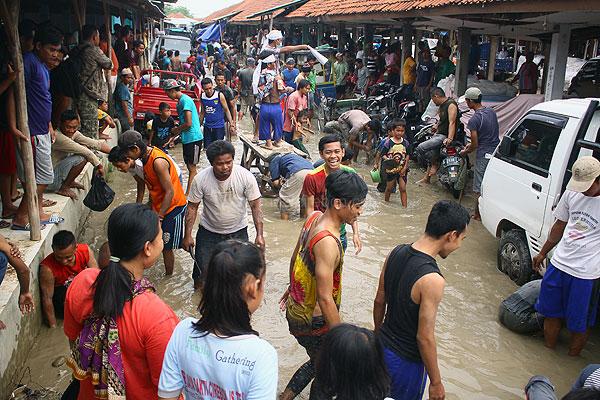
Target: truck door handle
[(536, 186)]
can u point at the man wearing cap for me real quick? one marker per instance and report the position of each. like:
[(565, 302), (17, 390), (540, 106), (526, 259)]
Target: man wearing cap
[(485, 132), (339, 72), (189, 127), (290, 73), (567, 292), (273, 45), (123, 102), (162, 181), (245, 87)]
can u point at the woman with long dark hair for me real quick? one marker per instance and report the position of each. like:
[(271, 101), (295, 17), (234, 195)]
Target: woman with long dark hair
[(350, 365), (220, 355), (118, 327)]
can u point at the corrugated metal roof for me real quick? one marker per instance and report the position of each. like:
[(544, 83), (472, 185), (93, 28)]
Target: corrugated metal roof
[(246, 8), (317, 8)]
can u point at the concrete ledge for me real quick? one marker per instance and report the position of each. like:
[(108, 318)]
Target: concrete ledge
[(21, 331)]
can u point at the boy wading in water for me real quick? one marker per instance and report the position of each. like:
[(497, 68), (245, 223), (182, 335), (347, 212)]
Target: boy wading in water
[(393, 151), (313, 297)]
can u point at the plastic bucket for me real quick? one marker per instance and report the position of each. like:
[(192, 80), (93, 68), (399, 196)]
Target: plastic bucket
[(375, 175)]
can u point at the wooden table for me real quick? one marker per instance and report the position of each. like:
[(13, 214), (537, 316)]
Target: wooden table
[(255, 156)]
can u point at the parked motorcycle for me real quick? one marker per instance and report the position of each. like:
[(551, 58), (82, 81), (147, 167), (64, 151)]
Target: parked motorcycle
[(452, 173)]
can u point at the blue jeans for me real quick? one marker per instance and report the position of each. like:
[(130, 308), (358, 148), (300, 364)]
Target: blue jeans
[(430, 149)]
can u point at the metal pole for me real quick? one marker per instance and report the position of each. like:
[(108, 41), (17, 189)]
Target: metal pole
[(10, 15)]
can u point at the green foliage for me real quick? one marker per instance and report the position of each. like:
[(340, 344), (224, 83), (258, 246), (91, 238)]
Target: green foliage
[(170, 9)]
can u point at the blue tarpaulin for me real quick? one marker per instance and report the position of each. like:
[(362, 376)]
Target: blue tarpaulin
[(212, 33)]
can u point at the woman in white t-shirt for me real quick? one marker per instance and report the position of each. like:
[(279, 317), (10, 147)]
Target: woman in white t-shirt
[(219, 355)]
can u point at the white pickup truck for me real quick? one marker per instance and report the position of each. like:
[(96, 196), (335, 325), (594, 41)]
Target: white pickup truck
[(528, 173)]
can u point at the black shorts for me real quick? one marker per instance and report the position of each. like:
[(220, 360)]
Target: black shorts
[(172, 227), (191, 152)]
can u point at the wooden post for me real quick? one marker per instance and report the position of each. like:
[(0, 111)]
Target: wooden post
[(10, 14), (107, 73), (407, 44), (462, 61), (516, 55), (494, 43), (270, 22)]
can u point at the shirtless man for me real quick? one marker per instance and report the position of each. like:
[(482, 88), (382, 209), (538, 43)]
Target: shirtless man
[(313, 297)]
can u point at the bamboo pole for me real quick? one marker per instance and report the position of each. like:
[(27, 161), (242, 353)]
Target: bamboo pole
[(10, 15)]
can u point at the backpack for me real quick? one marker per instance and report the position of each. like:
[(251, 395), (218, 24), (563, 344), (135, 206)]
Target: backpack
[(66, 76)]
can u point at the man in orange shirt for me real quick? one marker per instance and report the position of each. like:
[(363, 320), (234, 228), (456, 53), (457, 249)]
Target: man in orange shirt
[(166, 192), (57, 270)]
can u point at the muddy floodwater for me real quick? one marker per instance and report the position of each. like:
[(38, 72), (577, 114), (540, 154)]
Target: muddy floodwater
[(479, 359)]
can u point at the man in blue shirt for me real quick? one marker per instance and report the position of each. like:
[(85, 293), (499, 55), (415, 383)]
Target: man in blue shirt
[(123, 101), (214, 112), (189, 128), (47, 44), (287, 173), (485, 137), (290, 73)]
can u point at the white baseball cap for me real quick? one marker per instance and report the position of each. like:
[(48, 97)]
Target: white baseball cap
[(473, 93), (585, 171)]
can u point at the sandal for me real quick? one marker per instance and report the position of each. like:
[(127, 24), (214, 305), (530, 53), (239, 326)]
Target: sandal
[(26, 227), (4, 224), (17, 197)]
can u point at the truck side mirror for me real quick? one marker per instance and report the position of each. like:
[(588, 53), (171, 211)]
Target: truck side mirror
[(505, 146)]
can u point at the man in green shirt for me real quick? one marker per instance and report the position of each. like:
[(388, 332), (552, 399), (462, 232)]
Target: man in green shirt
[(339, 72), (444, 67)]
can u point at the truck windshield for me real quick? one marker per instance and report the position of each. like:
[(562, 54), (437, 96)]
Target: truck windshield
[(183, 45)]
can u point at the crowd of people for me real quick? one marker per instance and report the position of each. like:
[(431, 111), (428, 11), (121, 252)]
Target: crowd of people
[(126, 341)]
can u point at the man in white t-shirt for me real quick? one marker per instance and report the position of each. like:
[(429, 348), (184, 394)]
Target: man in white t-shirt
[(224, 189), (567, 291)]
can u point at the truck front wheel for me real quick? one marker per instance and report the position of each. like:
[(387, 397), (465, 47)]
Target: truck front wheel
[(514, 258)]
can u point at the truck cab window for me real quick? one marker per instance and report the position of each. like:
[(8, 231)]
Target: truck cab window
[(533, 144)]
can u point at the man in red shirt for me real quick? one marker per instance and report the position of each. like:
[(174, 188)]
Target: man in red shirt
[(57, 271), (314, 191), (295, 103)]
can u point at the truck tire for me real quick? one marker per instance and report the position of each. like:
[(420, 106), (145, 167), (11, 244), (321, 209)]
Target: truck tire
[(514, 258)]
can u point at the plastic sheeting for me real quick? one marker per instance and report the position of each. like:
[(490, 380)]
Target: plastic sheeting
[(508, 112)]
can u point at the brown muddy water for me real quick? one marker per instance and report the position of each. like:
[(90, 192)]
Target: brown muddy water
[(479, 358)]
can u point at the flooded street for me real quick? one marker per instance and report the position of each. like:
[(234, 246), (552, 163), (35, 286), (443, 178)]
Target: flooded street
[(479, 359)]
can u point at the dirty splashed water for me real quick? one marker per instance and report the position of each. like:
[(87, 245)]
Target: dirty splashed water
[(479, 359)]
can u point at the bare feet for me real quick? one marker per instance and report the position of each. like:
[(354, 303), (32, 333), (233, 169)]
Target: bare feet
[(277, 143), (67, 192), (426, 180), (77, 185), (476, 217)]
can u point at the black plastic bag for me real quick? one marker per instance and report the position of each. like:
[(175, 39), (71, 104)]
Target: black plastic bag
[(100, 195)]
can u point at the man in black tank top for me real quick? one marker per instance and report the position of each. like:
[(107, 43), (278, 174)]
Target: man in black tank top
[(409, 293), (446, 132)]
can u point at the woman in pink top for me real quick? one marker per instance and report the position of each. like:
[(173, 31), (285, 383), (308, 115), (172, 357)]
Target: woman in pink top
[(118, 327)]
